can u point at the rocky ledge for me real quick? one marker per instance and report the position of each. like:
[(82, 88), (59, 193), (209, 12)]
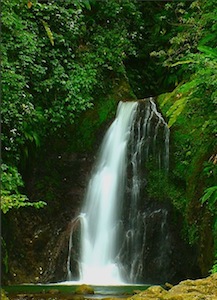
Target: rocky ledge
[(200, 289)]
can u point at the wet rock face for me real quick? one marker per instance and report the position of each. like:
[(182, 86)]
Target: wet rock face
[(41, 237), (159, 254), (153, 249), (166, 257)]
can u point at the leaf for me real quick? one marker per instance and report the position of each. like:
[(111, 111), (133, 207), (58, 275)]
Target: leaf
[(29, 4), (211, 191), (87, 4), (207, 38), (49, 32), (36, 139), (183, 62), (208, 50)]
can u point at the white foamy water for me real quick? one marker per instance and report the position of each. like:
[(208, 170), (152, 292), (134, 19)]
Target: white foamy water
[(99, 215)]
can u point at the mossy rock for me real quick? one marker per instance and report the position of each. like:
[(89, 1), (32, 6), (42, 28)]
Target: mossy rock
[(153, 292), (3, 295), (84, 289), (77, 297), (53, 291), (200, 289)]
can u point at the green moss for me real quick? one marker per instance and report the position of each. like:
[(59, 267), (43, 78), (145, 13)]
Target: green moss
[(87, 127), (161, 187)]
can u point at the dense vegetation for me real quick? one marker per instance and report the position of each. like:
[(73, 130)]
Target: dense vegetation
[(191, 110), (61, 58), (58, 57)]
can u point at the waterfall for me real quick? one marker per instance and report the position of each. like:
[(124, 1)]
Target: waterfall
[(113, 235), (100, 212)]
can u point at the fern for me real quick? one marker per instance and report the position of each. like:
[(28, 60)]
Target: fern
[(214, 267), (187, 87), (182, 62), (208, 51), (49, 32), (210, 195), (175, 110)]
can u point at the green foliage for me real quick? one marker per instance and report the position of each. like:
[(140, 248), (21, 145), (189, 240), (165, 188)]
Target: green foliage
[(10, 194), (175, 110), (59, 58), (214, 268), (210, 195), (209, 198), (47, 85), (191, 106)]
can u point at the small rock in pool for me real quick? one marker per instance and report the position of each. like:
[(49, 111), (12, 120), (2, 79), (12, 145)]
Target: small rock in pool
[(84, 289)]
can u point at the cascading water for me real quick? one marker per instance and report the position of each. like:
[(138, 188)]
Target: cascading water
[(149, 141), (113, 232), (100, 213)]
